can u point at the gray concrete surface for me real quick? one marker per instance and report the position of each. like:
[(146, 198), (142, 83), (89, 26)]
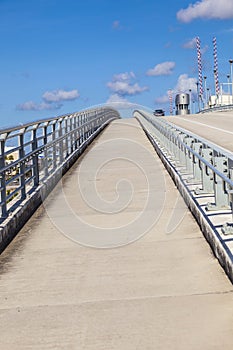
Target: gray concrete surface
[(216, 127), (162, 289)]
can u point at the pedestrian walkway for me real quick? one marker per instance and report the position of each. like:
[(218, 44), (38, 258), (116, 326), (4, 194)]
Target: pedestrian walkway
[(113, 260)]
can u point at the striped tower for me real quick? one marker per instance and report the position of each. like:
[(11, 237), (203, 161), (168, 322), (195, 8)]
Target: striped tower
[(199, 66), (216, 67)]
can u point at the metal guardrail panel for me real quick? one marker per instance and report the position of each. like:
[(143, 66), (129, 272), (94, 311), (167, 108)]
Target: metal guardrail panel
[(31, 152), (203, 173), (202, 161)]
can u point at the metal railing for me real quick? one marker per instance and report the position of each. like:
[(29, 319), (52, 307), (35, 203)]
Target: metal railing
[(32, 152), (217, 109), (206, 164)]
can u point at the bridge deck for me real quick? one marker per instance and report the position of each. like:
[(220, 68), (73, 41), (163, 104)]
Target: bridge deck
[(165, 290), (216, 127)]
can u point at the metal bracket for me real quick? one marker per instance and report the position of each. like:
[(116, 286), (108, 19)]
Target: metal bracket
[(227, 229)]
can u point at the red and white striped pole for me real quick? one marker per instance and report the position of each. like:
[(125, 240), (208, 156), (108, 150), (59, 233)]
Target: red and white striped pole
[(199, 61), (216, 67)]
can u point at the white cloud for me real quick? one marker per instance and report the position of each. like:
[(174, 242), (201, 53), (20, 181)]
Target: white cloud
[(117, 101), (52, 101), (127, 76), (122, 85), (191, 44), (32, 106), (209, 9), (183, 85), (164, 68), (162, 99), (60, 95)]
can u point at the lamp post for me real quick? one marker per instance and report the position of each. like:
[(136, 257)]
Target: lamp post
[(194, 111), (208, 96), (228, 87), (205, 77), (190, 99), (231, 61)]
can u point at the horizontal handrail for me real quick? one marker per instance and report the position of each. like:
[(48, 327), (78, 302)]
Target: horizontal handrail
[(32, 152), (217, 109), (206, 162)]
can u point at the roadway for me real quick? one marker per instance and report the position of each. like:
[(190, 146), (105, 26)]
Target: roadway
[(216, 127), (157, 287)]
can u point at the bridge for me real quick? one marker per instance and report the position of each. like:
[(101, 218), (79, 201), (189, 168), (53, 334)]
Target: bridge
[(117, 233)]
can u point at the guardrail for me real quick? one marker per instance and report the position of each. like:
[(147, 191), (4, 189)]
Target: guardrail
[(217, 109), (203, 172), (33, 152)]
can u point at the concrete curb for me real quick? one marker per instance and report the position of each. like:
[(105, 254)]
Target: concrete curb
[(220, 251), (17, 219)]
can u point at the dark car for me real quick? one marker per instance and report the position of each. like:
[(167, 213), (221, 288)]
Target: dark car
[(159, 113)]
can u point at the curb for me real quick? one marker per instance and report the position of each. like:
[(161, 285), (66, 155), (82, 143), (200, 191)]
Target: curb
[(210, 233)]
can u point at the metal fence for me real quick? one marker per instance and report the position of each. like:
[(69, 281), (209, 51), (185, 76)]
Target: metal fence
[(204, 163), (217, 109), (32, 152)]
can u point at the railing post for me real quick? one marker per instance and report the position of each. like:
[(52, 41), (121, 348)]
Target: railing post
[(207, 175), (35, 167), (220, 190), (197, 173), (60, 134), (54, 160), (45, 141), (73, 133), (65, 143), (22, 164)]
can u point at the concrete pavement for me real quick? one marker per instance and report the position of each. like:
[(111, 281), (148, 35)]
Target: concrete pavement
[(216, 127), (158, 287)]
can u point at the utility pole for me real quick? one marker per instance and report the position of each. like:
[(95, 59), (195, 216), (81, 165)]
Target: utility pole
[(231, 61)]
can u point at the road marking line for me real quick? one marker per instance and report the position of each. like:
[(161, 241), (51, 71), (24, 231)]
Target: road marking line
[(209, 126)]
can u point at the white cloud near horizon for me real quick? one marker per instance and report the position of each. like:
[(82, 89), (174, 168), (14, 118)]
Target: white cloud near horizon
[(183, 85), (60, 95), (123, 85), (164, 68), (162, 99), (190, 44), (117, 101), (52, 101), (32, 106), (207, 9)]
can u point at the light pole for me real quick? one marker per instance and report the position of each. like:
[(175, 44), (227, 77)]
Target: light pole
[(194, 110), (231, 61), (228, 87), (208, 96), (205, 90), (190, 99), (198, 97)]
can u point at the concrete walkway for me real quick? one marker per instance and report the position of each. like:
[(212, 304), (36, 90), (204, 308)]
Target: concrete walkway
[(157, 287)]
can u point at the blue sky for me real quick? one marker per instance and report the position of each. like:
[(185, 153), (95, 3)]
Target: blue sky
[(61, 56)]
